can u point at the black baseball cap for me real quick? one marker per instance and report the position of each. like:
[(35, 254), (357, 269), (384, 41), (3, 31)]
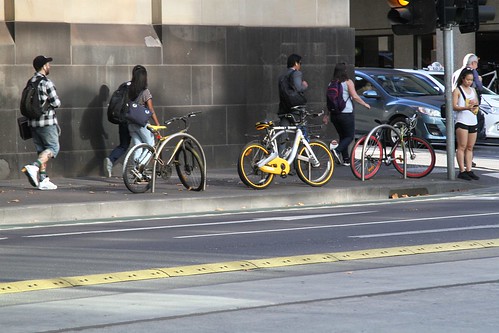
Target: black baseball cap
[(39, 61)]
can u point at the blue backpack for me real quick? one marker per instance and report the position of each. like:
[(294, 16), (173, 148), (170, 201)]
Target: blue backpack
[(335, 101)]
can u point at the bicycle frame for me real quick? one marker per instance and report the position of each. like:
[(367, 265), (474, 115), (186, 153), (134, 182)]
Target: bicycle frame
[(492, 82), (183, 137), (280, 166)]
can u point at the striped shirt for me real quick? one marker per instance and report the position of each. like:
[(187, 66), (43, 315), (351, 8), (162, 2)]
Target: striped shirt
[(46, 92)]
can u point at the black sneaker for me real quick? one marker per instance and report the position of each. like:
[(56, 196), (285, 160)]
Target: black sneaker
[(464, 175), (345, 163), (472, 175)]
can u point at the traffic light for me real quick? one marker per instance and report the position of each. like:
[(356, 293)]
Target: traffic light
[(446, 12), (412, 17), (471, 12)]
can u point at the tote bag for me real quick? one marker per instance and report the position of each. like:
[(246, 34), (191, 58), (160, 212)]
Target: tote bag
[(138, 113)]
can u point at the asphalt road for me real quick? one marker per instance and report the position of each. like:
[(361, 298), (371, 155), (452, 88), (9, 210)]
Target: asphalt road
[(93, 247)]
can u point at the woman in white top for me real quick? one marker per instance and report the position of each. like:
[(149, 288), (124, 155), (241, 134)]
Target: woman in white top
[(465, 105)]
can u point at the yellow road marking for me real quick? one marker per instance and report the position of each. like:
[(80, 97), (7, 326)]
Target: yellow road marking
[(210, 268)]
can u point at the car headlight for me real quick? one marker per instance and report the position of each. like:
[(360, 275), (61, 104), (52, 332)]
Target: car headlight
[(429, 111)]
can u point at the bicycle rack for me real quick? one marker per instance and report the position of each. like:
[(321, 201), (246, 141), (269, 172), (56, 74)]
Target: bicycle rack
[(175, 136), (363, 155)]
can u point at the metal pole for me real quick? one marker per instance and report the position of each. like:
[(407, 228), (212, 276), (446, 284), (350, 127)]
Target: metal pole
[(448, 36)]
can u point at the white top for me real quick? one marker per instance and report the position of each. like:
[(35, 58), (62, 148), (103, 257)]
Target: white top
[(346, 97), (465, 117)]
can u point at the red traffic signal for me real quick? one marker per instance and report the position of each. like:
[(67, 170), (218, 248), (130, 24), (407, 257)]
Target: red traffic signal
[(412, 17), (400, 13)]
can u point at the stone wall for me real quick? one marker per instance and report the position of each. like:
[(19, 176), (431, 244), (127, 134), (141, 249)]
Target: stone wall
[(227, 71)]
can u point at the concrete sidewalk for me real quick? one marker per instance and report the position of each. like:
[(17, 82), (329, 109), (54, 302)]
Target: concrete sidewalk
[(87, 198)]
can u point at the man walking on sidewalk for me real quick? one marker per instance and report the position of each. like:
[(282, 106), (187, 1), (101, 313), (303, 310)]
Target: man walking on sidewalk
[(45, 129)]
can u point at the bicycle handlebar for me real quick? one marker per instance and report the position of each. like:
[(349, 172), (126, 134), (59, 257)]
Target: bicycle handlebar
[(183, 118), (302, 113)]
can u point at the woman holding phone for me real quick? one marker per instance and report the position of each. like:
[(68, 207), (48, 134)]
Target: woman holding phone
[(465, 105)]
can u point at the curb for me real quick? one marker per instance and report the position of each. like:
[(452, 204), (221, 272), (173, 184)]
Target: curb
[(246, 199), (245, 265)]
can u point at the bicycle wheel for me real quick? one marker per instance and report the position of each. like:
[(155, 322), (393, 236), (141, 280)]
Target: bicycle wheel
[(137, 168), (311, 172), (372, 158), (190, 169), (420, 157), (247, 168)]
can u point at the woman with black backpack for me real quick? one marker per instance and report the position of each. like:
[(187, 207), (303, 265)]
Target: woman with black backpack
[(140, 94)]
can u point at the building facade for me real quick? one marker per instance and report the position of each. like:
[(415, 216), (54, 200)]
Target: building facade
[(377, 46), (221, 57)]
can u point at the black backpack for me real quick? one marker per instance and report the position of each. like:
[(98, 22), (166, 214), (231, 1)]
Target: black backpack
[(335, 101), (30, 102), (116, 109), (288, 93)]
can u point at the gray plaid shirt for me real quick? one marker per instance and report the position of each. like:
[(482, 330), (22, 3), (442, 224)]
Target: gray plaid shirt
[(46, 91)]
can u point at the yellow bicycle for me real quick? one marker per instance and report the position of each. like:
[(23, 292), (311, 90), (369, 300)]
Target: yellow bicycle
[(260, 161)]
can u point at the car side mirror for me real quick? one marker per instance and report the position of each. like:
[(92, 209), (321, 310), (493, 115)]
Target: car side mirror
[(370, 94)]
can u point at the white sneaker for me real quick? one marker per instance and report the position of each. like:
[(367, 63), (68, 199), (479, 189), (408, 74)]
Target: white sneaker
[(108, 167), (46, 184), (31, 171), (336, 156)]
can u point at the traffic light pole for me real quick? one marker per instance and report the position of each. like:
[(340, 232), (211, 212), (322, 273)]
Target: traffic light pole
[(448, 39)]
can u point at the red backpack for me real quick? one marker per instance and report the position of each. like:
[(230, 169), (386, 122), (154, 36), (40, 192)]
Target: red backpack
[(335, 101)]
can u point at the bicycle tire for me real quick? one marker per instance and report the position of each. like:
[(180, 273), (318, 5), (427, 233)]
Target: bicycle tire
[(421, 157), (190, 168), (314, 175), (138, 168), (248, 172), (372, 158)]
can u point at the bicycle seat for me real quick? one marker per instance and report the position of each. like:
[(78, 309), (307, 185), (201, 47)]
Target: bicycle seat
[(156, 128), (261, 125)]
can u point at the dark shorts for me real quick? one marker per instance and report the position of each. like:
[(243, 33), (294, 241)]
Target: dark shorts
[(470, 129)]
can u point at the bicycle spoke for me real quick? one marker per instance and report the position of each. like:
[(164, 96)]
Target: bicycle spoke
[(190, 168), (372, 157), (247, 168), (137, 168), (314, 167), (420, 157)]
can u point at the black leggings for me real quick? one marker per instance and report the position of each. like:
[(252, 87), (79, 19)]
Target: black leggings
[(345, 126)]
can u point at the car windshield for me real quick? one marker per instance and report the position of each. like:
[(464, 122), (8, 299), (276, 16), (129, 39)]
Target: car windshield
[(404, 85)]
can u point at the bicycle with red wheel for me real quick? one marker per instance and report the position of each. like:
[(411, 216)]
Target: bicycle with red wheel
[(418, 153)]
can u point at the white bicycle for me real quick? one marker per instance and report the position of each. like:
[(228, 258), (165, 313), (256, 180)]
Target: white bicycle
[(259, 161)]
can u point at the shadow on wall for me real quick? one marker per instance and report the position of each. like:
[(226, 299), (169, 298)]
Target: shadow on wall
[(92, 129)]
